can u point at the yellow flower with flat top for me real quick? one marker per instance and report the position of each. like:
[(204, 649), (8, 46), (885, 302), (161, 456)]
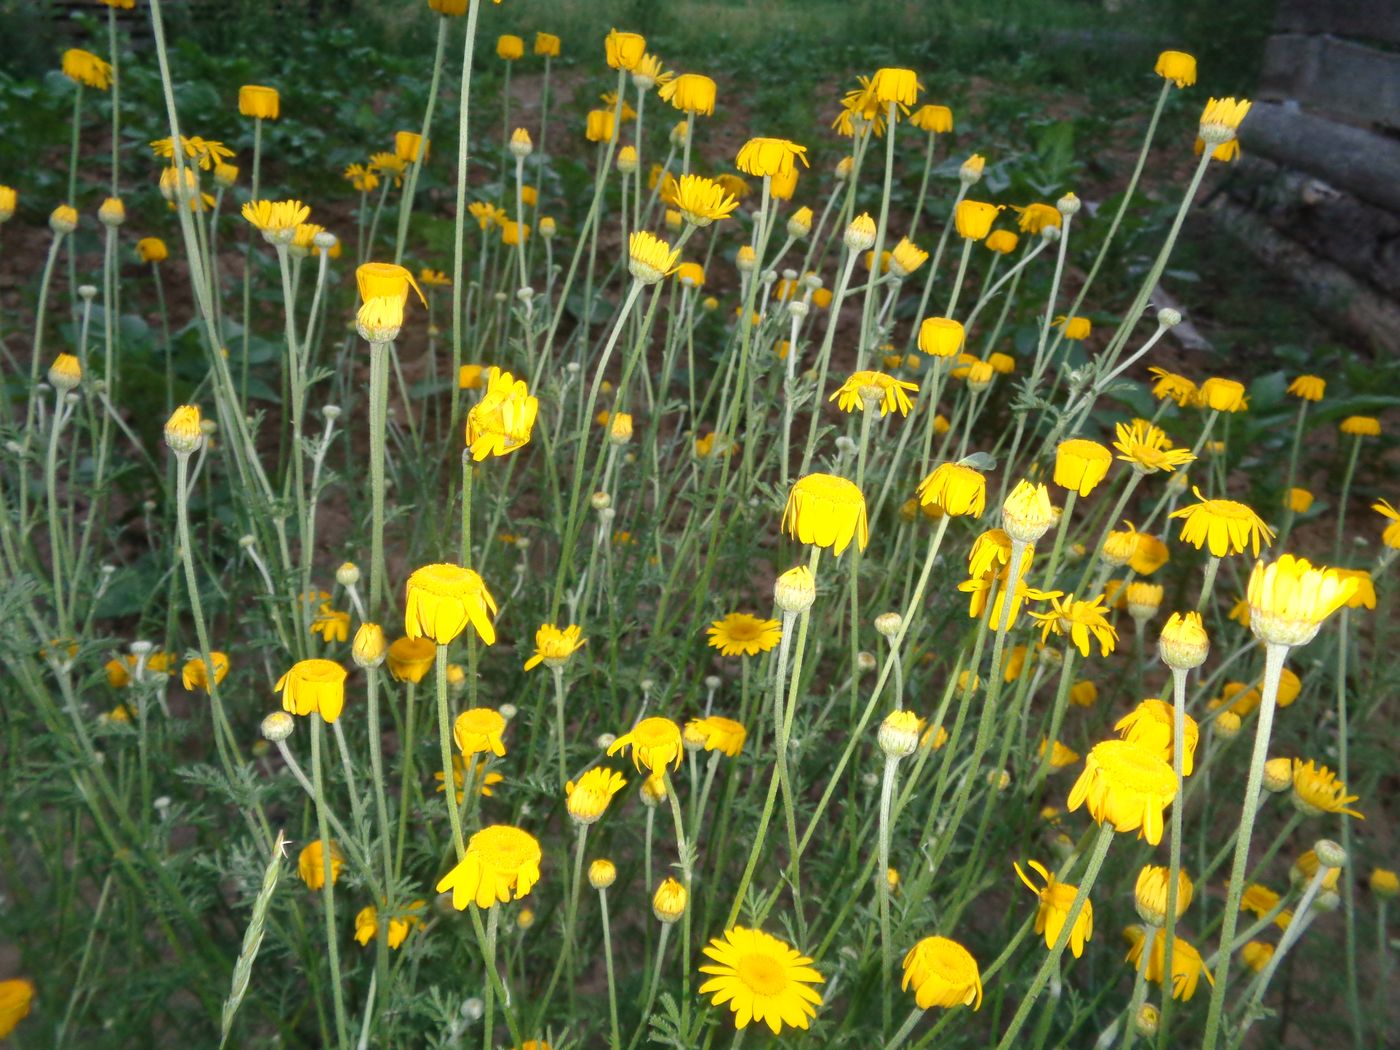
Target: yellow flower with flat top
[(740, 634), (1222, 526), (501, 862), (761, 979)]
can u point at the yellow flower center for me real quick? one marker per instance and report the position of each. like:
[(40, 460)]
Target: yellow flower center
[(762, 973)]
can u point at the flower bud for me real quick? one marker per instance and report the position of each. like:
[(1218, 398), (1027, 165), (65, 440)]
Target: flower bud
[(600, 501), (520, 144), (112, 213), (1278, 775), (669, 902), (899, 734), (369, 647), (888, 624), (602, 873), (348, 575), (182, 430), (278, 726), (795, 590), (1226, 725), (65, 373), (1184, 644), (1330, 853), (1168, 318), (860, 234)]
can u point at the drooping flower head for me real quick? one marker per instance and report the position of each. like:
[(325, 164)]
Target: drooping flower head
[(501, 862), (943, 973), (85, 68), (503, 420), (624, 50), (1222, 526), (826, 511), (195, 675), (764, 156), (655, 744), (719, 734), (958, 490), (1176, 66), (1056, 900), (1151, 725), (311, 864), (1080, 465), (479, 730), (1126, 785), (313, 686), (441, 599), (1187, 965), (891, 394), (691, 93), (762, 979)]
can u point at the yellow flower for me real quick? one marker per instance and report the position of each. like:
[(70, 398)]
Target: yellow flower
[(740, 634), (485, 781), (196, 676), (1170, 385), (1060, 755), (501, 861), (553, 647), (933, 119), (759, 157), (1076, 329), (503, 420), (890, 393), (152, 250), (700, 201), (442, 599), (960, 491), (690, 275), (1082, 622), (410, 659), (313, 686), (649, 258), (1080, 465), (478, 730), (1150, 725), (331, 624), (588, 799), (278, 220), (1317, 790), (1126, 785), (942, 973), (1148, 448), (509, 47), (83, 67), (762, 979), (15, 998), (1391, 536), (669, 902), (410, 146), (1153, 889), (1297, 500), (1222, 395), (655, 744), (311, 864), (1256, 955), (259, 102), (367, 924), (624, 50), (361, 178), (1056, 899), (1361, 426), (1308, 388), (1027, 513), (379, 320), (941, 336), (906, 257), (1003, 242), (1222, 526), (9, 201), (1184, 643), (1187, 965), (1035, 217), (973, 219), (900, 86), (598, 126), (547, 45), (1289, 599), (1176, 66), (1221, 119), (690, 93), (719, 734), (1258, 899), (1384, 882), (826, 511)]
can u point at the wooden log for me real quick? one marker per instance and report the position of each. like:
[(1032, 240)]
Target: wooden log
[(1352, 159), (1353, 81), (1334, 294)]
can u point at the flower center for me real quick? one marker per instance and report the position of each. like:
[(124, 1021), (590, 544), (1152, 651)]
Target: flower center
[(762, 973)]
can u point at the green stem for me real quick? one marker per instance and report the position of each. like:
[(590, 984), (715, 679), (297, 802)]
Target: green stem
[(445, 743), (342, 1024)]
